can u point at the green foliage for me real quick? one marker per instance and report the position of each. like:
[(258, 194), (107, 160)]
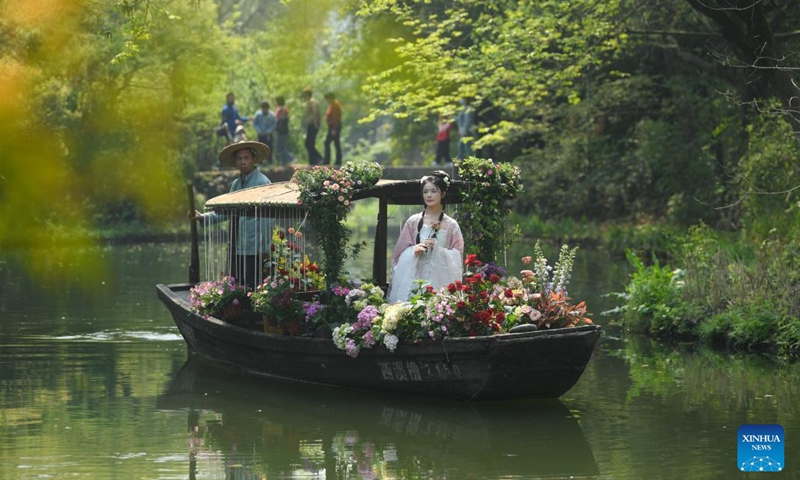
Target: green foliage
[(725, 293), (514, 56), (653, 299), (485, 205), (770, 179)]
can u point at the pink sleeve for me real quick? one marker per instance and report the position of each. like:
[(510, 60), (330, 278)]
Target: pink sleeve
[(406, 239)]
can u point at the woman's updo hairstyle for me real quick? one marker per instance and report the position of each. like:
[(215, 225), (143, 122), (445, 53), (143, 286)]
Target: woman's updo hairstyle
[(438, 178)]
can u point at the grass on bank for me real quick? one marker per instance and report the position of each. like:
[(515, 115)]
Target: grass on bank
[(727, 294)]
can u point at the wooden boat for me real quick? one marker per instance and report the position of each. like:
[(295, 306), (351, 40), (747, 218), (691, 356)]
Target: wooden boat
[(533, 364)]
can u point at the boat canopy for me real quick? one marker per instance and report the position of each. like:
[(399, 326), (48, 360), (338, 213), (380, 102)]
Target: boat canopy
[(285, 194), (279, 200)]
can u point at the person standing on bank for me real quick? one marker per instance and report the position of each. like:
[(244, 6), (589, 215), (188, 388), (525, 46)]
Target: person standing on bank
[(265, 122), (430, 246), (230, 114), (311, 121), (282, 133), (254, 234), (333, 117), (443, 141)]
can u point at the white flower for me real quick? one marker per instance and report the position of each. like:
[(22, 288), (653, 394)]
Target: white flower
[(390, 341)]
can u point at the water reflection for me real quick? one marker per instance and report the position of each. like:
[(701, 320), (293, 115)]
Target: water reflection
[(256, 427)]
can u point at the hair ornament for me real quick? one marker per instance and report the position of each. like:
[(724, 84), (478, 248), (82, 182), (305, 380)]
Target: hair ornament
[(440, 174)]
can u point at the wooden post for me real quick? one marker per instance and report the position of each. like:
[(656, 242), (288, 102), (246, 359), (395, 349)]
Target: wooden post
[(194, 265), (379, 267)]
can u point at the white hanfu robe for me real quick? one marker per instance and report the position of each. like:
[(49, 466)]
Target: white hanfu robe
[(437, 267)]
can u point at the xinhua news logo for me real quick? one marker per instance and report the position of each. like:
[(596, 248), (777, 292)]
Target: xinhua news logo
[(760, 448)]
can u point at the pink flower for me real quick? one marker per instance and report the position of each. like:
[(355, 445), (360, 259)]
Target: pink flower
[(526, 260)]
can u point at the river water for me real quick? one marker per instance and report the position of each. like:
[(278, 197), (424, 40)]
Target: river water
[(95, 384)]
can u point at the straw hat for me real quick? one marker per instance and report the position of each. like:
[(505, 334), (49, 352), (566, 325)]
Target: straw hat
[(226, 155)]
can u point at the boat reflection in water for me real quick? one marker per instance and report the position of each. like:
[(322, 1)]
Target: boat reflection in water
[(253, 428)]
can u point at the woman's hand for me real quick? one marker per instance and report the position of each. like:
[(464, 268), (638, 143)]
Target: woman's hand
[(425, 246)]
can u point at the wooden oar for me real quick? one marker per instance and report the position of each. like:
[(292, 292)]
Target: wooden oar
[(194, 266)]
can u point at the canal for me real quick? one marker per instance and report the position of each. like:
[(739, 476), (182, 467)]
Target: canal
[(95, 383)]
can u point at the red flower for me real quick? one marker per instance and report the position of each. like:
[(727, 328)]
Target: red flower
[(500, 317), (494, 278), (472, 260), (461, 305), (508, 293), (430, 289), (483, 316), (452, 288)]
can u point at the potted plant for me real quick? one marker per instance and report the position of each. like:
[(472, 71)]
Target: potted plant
[(223, 298), (277, 301)]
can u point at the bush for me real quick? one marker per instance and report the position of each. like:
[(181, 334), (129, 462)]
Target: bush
[(654, 299)]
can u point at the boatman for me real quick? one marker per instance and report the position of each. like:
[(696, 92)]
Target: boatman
[(254, 235)]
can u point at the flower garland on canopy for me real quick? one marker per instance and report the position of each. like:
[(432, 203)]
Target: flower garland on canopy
[(485, 205), (325, 193)]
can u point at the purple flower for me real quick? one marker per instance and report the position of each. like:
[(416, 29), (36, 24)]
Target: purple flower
[(369, 339), (365, 317), (351, 348), (312, 309)]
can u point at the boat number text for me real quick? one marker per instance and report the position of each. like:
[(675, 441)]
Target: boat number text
[(404, 371)]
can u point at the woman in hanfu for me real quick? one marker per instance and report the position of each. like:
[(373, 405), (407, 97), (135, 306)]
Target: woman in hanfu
[(430, 245)]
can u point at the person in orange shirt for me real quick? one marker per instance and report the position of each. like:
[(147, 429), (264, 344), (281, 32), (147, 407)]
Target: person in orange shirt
[(334, 119)]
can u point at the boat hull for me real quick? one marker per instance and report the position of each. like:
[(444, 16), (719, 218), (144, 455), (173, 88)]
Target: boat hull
[(541, 364)]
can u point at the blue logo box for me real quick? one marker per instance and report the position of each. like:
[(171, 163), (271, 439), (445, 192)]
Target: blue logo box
[(760, 448)]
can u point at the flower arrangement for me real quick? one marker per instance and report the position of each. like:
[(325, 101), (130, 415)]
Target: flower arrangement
[(485, 206), (326, 193), (362, 173), (211, 298), (363, 301), (277, 300), (286, 259), (485, 302)]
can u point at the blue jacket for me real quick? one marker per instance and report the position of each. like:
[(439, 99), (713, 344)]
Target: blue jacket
[(229, 115), (265, 122)]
